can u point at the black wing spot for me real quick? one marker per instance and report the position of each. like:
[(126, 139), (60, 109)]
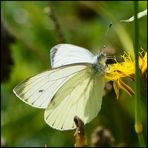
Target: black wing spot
[(53, 54), (41, 90)]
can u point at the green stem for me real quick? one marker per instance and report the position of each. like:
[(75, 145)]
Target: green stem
[(138, 123)]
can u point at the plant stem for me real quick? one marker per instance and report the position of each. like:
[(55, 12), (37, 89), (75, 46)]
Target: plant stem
[(58, 30), (138, 123)]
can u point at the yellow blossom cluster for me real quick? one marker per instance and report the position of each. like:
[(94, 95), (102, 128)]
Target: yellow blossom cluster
[(117, 71)]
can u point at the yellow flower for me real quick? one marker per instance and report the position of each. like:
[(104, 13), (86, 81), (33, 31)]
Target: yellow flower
[(116, 72), (143, 62)]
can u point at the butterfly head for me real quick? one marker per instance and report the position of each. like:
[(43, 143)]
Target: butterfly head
[(100, 62), (101, 58)]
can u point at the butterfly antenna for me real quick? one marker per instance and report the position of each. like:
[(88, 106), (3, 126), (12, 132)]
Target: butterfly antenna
[(106, 35)]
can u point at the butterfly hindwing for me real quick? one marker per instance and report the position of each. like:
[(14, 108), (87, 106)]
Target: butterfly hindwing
[(80, 96), (94, 103)]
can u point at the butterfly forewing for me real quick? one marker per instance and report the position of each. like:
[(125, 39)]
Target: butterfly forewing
[(37, 91), (65, 54)]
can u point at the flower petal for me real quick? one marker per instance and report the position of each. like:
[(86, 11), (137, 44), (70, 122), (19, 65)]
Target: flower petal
[(125, 87), (116, 88), (144, 68)]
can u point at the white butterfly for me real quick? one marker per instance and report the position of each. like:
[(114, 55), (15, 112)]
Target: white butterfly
[(74, 86)]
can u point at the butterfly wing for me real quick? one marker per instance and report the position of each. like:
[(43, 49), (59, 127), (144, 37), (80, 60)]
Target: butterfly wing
[(38, 90), (64, 54), (81, 96)]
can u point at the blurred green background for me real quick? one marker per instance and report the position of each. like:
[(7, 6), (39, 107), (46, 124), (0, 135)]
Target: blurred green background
[(28, 34)]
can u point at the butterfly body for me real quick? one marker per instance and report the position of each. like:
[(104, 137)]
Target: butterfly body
[(74, 86)]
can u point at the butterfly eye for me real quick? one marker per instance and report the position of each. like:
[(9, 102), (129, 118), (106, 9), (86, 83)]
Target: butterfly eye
[(101, 55)]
